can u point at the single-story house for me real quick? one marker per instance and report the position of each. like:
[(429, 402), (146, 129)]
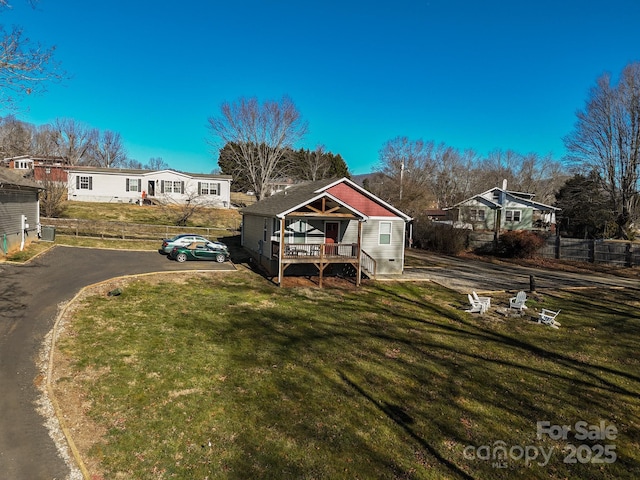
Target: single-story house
[(91, 184), (499, 209), (94, 184), (328, 223), (19, 210), (43, 168)]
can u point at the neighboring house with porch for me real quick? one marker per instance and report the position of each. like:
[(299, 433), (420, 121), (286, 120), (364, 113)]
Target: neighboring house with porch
[(91, 184), (499, 209), (313, 227), (19, 210)]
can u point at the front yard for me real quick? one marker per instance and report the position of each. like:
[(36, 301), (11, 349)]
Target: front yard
[(227, 376)]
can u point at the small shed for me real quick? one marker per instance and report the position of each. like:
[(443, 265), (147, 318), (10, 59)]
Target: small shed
[(19, 210)]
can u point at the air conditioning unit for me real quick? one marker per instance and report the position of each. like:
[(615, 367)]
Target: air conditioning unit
[(48, 234)]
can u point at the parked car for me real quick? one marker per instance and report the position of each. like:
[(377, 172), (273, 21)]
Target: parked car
[(200, 251), (183, 240)]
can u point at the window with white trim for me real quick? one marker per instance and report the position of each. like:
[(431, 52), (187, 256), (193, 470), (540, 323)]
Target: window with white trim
[(133, 185), (208, 188), (22, 164), (512, 215), (476, 215), (384, 237), (84, 183)]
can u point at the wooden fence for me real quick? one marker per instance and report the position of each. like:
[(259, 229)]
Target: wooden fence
[(612, 252), (127, 231)]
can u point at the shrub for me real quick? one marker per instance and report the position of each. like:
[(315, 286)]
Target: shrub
[(440, 238), (519, 244)]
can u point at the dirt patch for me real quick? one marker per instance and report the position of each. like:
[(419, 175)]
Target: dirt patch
[(327, 282)]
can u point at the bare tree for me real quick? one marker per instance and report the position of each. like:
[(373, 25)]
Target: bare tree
[(451, 181), (44, 141), (156, 163), (606, 138), (54, 194), (133, 164), (314, 165), (25, 67), (106, 150), (258, 135), (15, 137), (408, 165), (73, 140)]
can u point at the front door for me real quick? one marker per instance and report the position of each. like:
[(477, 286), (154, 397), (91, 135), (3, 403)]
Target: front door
[(331, 232)]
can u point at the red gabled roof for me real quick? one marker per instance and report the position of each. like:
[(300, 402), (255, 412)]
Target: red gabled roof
[(350, 196)]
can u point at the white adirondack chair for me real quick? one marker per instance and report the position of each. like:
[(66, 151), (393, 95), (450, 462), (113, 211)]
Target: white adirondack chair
[(476, 307), (518, 302), (485, 300), (548, 317)]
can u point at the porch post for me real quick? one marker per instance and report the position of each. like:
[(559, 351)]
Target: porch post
[(359, 254), (281, 253)]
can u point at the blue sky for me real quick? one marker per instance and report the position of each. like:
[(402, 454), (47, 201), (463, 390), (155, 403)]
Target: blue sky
[(480, 75)]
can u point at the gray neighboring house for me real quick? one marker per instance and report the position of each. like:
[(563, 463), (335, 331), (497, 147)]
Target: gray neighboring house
[(499, 209), (331, 224), (19, 210)]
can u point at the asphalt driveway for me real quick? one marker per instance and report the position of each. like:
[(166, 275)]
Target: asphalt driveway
[(29, 299), (464, 275)]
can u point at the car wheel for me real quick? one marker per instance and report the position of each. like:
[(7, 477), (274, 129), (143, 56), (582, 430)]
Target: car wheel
[(220, 258), (181, 257)]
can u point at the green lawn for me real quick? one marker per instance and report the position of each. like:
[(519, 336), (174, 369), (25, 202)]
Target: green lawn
[(227, 376)]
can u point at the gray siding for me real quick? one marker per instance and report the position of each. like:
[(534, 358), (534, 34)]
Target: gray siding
[(15, 202), (389, 258)]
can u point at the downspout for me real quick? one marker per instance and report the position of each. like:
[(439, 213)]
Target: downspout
[(281, 252), (23, 230)]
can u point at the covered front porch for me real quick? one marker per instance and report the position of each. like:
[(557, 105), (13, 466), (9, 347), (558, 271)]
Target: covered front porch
[(321, 233), (321, 255)]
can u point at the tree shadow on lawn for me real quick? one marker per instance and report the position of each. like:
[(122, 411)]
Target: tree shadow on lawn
[(438, 373)]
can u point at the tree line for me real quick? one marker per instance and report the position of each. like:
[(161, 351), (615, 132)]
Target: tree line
[(596, 186), (77, 143)]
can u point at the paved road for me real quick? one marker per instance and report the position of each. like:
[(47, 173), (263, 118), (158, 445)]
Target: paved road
[(29, 298), (464, 275)]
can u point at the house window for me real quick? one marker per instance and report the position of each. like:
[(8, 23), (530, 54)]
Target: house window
[(384, 237), (512, 215), (133, 185), (476, 215), (297, 229), (264, 230), (208, 188), (22, 165), (167, 186), (84, 183)]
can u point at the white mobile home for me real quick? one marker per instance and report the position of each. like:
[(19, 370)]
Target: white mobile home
[(89, 184)]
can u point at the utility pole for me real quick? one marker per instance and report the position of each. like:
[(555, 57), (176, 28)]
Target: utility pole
[(401, 177)]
